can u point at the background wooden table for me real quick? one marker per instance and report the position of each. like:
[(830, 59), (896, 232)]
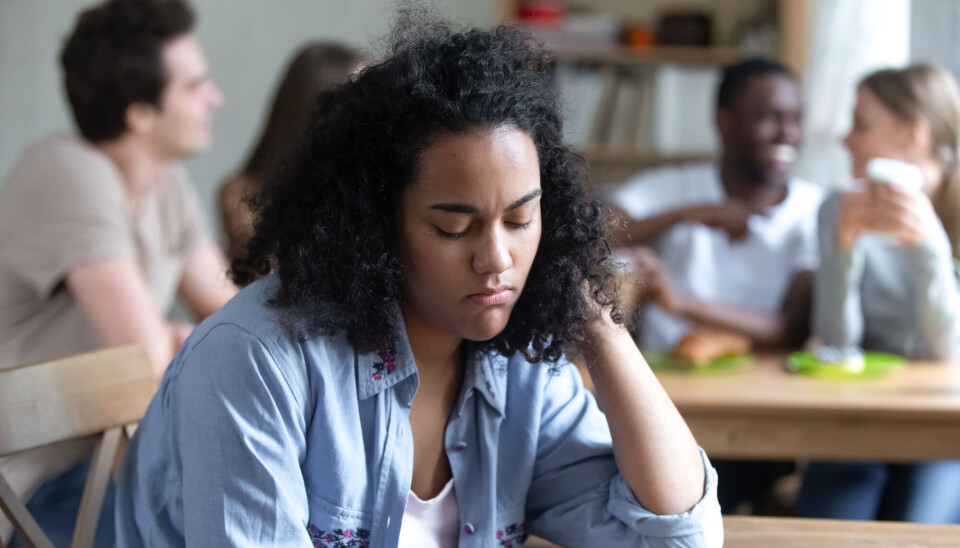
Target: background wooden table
[(757, 532), (768, 412)]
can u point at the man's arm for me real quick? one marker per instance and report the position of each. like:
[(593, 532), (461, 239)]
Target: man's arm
[(204, 286), (732, 216), (787, 329), (115, 298)]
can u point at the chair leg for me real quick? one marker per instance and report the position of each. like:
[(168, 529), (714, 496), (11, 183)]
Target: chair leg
[(93, 492), (22, 521), (125, 434)]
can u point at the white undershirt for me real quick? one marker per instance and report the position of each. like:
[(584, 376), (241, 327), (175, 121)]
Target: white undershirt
[(433, 523)]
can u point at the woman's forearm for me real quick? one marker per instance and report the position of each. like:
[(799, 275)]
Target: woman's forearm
[(937, 299), (654, 450)]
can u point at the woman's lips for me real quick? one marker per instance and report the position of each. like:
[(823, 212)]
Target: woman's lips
[(498, 295)]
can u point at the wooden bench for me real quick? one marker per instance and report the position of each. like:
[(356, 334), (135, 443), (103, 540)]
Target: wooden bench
[(760, 532)]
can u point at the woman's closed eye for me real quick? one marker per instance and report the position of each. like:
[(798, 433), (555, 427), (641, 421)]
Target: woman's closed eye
[(519, 225), (450, 235)]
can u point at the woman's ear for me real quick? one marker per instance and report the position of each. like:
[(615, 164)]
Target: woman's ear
[(140, 117), (919, 137)]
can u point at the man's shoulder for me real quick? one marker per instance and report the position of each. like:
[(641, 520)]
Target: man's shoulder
[(668, 187), (62, 161), (64, 146)]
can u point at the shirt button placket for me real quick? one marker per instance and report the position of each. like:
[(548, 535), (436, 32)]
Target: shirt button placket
[(469, 529)]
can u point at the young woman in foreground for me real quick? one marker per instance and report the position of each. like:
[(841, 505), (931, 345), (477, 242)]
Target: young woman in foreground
[(897, 292), (397, 376)]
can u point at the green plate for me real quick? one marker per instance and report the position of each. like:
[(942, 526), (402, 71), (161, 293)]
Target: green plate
[(875, 365), (664, 361)]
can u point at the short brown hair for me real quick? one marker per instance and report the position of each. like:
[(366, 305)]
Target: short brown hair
[(113, 59)]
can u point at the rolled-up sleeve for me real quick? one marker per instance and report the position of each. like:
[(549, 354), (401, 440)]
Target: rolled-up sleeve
[(577, 496), (702, 525)]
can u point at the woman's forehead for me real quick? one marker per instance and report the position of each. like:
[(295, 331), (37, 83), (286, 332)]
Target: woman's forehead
[(478, 165)]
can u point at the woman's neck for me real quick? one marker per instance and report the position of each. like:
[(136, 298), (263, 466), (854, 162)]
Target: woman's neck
[(437, 352)]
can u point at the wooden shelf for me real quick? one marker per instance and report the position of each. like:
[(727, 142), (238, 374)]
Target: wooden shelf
[(624, 55), (604, 155)]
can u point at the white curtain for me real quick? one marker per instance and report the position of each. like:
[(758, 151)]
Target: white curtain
[(848, 40)]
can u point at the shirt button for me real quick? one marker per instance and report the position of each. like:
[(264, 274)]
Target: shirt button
[(468, 529), (460, 446)]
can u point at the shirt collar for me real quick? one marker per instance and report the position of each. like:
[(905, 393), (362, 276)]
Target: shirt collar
[(385, 367), (486, 372)]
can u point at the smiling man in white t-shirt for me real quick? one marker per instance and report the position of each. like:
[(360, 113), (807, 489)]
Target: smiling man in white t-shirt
[(735, 242)]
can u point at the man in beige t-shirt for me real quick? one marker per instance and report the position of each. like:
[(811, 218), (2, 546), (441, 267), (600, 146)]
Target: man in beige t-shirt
[(100, 232)]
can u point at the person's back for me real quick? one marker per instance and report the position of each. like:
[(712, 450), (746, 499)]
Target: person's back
[(64, 205)]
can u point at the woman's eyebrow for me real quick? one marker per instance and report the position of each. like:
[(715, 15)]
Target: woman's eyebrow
[(472, 210), (525, 199)]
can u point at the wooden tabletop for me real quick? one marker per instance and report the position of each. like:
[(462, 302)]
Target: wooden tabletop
[(768, 412), (758, 532)]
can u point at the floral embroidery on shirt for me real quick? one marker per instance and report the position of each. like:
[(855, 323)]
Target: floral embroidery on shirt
[(338, 538), (511, 534), (489, 388), (386, 365)]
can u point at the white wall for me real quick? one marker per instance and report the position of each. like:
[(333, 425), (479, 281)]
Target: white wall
[(247, 43), (934, 37)]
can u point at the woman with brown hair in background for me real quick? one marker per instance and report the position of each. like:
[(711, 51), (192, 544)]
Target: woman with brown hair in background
[(886, 280), (317, 67)]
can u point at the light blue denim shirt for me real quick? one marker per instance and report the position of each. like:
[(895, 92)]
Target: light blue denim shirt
[(259, 438)]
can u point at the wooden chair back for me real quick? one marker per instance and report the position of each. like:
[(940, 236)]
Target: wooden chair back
[(101, 393)]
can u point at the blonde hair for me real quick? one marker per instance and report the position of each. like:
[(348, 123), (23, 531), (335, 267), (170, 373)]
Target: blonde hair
[(929, 93)]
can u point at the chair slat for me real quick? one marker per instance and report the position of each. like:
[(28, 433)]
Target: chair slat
[(101, 466), (92, 393), (103, 392)]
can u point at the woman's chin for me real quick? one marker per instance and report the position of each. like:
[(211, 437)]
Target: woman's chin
[(485, 330)]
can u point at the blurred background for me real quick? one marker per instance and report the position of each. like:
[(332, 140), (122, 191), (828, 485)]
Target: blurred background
[(638, 77)]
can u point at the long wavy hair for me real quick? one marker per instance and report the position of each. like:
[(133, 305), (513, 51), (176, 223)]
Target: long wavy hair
[(325, 224)]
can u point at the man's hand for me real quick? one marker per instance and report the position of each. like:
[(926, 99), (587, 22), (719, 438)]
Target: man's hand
[(653, 283)]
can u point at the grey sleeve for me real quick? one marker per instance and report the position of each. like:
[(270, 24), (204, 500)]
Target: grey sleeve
[(936, 297), (837, 309)]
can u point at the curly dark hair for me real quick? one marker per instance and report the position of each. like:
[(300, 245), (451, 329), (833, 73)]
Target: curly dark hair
[(326, 222), (113, 59)]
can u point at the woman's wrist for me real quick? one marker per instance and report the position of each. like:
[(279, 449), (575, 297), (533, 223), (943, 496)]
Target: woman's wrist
[(600, 334)]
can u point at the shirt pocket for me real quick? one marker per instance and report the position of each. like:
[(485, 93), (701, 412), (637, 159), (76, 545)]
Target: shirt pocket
[(334, 526), (510, 531)]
